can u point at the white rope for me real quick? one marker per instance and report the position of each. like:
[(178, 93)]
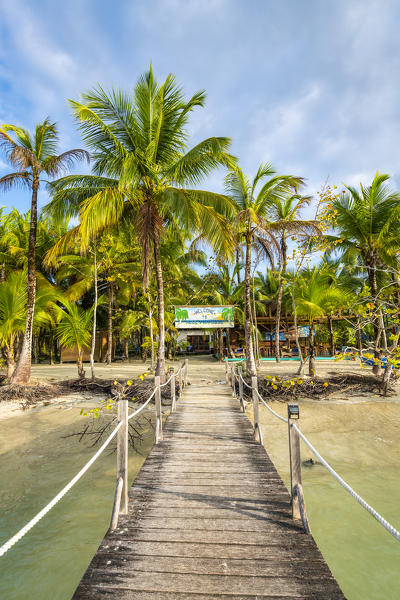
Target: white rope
[(270, 409), (246, 384), (167, 382), (143, 406), (5, 547), (395, 533)]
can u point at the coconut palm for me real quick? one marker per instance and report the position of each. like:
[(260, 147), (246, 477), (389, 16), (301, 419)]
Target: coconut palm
[(141, 164), (367, 222), (74, 330), (285, 210), (252, 199), (34, 156)]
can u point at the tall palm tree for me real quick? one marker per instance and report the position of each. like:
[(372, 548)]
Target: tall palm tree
[(33, 156), (141, 165), (285, 210), (367, 222), (251, 199)]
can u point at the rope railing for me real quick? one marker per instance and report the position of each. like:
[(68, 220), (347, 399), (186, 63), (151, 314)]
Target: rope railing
[(395, 533), (122, 446), (15, 538), (298, 505)]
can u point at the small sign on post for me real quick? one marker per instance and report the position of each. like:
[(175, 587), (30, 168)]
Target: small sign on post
[(294, 456), (159, 434), (122, 453), (257, 430)]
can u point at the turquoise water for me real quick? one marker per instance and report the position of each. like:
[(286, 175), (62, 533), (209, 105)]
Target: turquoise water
[(36, 461)]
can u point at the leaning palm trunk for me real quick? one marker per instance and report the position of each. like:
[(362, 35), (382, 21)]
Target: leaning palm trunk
[(376, 369), (93, 344), (22, 371), (250, 366), (160, 367)]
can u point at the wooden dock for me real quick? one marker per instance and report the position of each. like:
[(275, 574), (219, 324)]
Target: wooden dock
[(209, 517)]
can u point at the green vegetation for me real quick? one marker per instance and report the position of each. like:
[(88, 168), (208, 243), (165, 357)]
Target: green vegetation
[(120, 249)]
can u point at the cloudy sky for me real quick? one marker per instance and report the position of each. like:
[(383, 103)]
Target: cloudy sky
[(311, 85)]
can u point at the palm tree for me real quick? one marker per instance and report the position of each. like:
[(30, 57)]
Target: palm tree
[(285, 210), (32, 156), (252, 202), (367, 222), (141, 164), (316, 295), (74, 330)]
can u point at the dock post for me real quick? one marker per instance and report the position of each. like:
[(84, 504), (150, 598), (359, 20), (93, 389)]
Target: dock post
[(180, 381), (226, 370), (159, 434), (233, 381), (122, 454), (257, 430), (186, 370), (173, 391), (240, 375), (294, 456)]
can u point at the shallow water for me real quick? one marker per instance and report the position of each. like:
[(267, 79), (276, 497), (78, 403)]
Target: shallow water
[(36, 461), (362, 443)]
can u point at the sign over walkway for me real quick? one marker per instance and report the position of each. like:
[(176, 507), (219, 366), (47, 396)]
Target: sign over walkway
[(204, 317)]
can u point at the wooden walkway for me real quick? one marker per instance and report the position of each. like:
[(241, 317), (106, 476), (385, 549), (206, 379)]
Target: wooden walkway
[(209, 518)]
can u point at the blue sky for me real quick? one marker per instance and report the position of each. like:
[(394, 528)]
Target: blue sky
[(311, 85)]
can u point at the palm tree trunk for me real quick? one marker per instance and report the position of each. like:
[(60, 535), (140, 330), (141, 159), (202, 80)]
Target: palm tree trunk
[(250, 363), (126, 348), (237, 264), (9, 352), (93, 344), (160, 366), (358, 335), (331, 335), (228, 341), (151, 331), (3, 273), (109, 329), (296, 333), (22, 372), (278, 321), (311, 341), (79, 362)]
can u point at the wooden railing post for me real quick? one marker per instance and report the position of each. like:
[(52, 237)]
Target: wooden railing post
[(240, 375), (173, 391), (159, 434), (257, 430), (294, 456), (186, 370), (180, 382), (226, 370), (122, 453), (233, 381)]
